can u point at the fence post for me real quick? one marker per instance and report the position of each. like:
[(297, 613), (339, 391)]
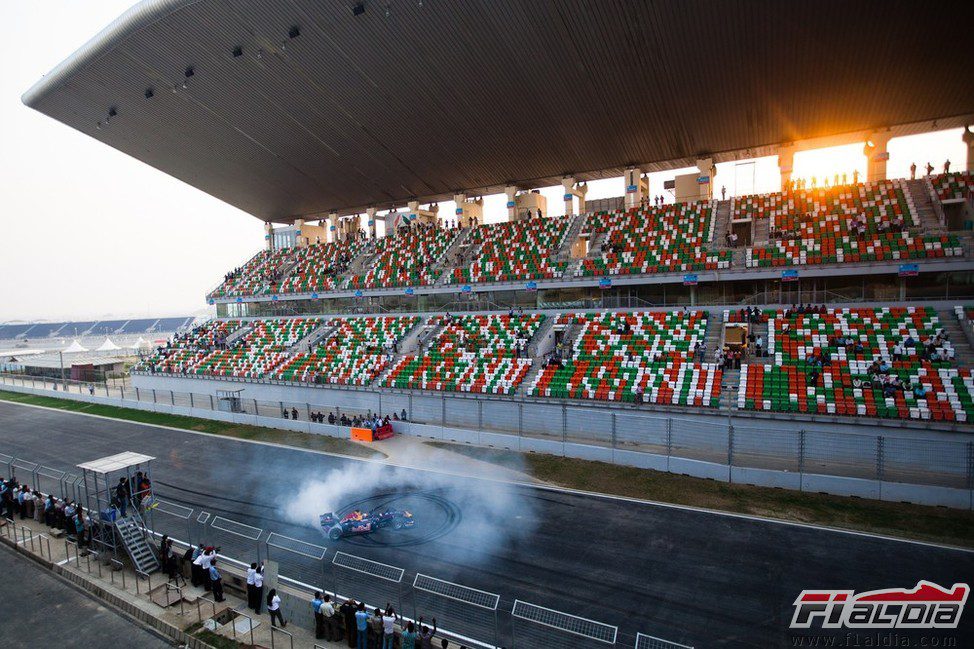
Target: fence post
[(172, 398), (564, 423), (520, 418), (121, 391), (613, 430), (801, 451), (379, 410), (480, 414), (211, 402), (669, 437), (880, 443), (138, 397), (443, 410), (153, 395), (411, 407), (191, 404), (730, 444), (970, 465)]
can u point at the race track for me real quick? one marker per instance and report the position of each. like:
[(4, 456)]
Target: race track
[(694, 577)]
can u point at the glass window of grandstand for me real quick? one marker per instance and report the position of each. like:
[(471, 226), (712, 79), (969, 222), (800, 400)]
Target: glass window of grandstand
[(285, 238)]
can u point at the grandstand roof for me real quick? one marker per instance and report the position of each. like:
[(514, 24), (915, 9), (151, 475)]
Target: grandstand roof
[(417, 99)]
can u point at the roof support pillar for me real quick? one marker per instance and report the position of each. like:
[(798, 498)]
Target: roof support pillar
[(333, 226), (968, 137), (511, 192), (469, 212), (705, 179), (877, 155), (636, 187), (269, 235), (786, 164), (370, 212), (574, 190), (300, 241), (417, 215)]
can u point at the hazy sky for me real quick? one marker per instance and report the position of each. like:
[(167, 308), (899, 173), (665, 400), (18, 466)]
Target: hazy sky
[(90, 233)]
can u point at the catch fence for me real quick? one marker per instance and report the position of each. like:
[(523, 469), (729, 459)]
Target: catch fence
[(468, 611), (607, 432), (377, 584)]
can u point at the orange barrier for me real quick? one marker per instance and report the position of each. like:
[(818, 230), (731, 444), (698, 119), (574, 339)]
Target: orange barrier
[(366, 434)]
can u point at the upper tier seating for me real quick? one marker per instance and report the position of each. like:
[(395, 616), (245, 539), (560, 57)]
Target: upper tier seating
[(258, 276), (353, 353), (671, 238), (847, 223), (515, 251), (471, 353), (953, 185), (640, 356), (317, 266), (406, 259)]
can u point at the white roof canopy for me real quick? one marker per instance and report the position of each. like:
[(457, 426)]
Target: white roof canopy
[(116, 462), (75, 347), (108, 346)]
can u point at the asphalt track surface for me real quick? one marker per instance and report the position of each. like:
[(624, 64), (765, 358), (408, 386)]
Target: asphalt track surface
[(695, 577)]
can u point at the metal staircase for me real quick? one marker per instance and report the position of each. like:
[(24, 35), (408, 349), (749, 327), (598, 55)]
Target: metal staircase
[(721, 225), (927, 217), (570, 237), (131, 531)]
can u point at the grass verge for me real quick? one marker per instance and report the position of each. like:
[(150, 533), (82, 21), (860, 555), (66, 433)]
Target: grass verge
[(224, 429), (215, 640), (918, 522)]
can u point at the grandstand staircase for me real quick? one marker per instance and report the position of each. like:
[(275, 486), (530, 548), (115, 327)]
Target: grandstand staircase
[(444, 267), (307, 343), (540, 335), (571, 236), (131, 531), (927, 215), (359, 265), (761, 230), (721, 225), (960, 338), (237, 334)]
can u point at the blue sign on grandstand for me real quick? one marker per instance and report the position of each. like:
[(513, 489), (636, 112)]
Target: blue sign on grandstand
[(410, 290), (358, 293), (789, 276), (909, 270), (466, 288), (703, 180), (510, 204), (568, 197), (331, 227), (630, 189), (212, 301), (532, 286), (239, 300), (690, 279), (412, 217), (605, 282), (314, 296), (459, 211)]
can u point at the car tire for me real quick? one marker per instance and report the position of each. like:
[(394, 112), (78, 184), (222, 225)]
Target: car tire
[(397, 524), (335, 533)]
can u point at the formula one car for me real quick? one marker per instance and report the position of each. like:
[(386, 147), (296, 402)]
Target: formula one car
[(357, 522)]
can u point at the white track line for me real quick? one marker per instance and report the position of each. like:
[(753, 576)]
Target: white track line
[(530, 485)]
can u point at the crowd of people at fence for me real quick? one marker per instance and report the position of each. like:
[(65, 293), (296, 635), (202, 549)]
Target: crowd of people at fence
[(368, 420), (350, 621), (57, 513)]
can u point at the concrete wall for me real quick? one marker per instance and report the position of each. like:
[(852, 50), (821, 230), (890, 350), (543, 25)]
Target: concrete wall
[(811, 482)]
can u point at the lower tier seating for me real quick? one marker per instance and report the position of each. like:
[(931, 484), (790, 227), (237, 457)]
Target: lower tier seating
[(846, 388), (476, 353)]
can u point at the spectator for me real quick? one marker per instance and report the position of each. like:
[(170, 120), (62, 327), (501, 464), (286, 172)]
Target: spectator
[(196, 567), (375, 630), (388, 628), (947, 166), (426, 634), (409, 636), (723, 192), (361, 627), (316, 604), (294, 413), (348, 611), (216, 582), (913, 171), (258, 588), (122, 496), (251, 572), (402, 415), (274, 608), (929, 169), (332, 632)]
